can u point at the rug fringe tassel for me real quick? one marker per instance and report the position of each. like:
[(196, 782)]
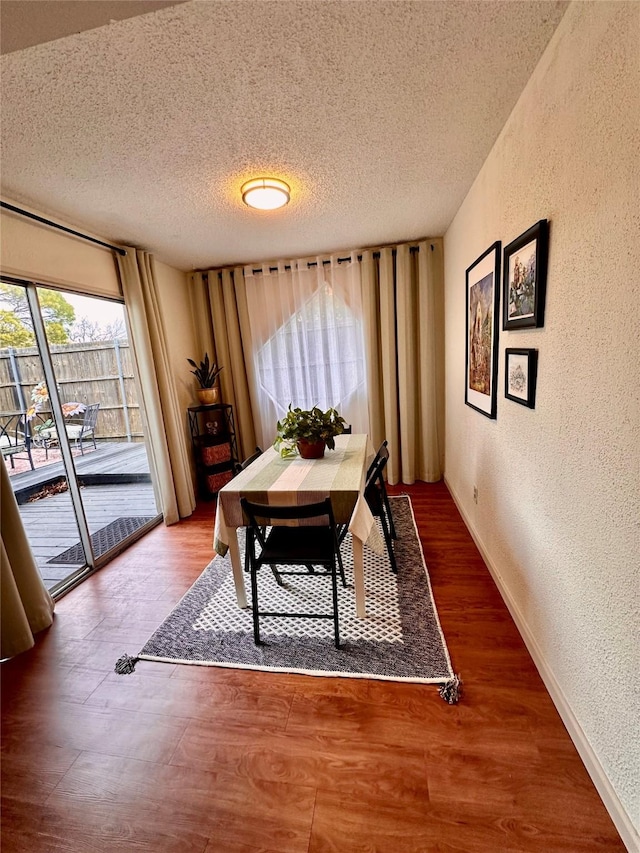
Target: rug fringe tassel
[(451, 690), (126, 664)]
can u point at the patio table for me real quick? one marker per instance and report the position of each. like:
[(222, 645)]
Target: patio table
[(340, 475)]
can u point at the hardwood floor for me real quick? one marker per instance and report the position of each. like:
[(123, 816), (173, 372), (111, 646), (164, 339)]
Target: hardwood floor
[(211, 760)]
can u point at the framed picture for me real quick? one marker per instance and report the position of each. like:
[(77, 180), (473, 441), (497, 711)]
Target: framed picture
[(483, 304), (520, 373), (525, 278)]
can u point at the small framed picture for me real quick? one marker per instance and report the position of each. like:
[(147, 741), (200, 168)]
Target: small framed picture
[(482, 326), (525, 278), (520, 374)]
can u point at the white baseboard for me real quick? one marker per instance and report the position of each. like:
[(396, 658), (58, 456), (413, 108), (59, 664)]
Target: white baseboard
[(612, 803)]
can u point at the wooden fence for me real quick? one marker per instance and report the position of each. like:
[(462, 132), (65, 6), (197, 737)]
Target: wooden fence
[(100, 372)]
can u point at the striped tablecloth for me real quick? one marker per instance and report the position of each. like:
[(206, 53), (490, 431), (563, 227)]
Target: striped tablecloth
[(340, 475)]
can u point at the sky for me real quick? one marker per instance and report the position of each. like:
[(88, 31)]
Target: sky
[(101, 311)]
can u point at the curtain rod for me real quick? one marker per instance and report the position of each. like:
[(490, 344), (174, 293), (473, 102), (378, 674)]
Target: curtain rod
[(44, 221), (412, 250)]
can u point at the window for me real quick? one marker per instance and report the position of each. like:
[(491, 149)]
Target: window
[(316, 358)]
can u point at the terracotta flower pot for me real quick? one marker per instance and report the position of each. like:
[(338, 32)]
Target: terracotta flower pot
[(311, 449), (208, 396)]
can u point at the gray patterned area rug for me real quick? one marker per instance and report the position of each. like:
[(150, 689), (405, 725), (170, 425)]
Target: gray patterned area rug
[(400, 639)]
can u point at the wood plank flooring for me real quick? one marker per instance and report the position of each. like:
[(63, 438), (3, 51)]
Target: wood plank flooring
[(210, 760)]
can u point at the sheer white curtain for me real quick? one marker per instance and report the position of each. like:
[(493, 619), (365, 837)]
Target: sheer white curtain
[(307, 340)]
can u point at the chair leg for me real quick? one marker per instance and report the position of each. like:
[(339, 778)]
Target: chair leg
[(276, 575), (388, 541), (254, 605), (387, 506), (334, 586), (341, 565)]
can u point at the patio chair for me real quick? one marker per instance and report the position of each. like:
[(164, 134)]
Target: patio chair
[(77, 431), (15, 437), (308, 545)]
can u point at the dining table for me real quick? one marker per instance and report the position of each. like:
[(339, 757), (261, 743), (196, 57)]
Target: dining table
[(291, 481)]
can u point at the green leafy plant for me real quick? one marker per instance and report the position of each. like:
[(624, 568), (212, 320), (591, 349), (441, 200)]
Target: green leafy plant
[(313, 425), (205, 372)]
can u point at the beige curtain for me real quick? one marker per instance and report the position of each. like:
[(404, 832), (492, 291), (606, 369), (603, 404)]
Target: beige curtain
[(26, 606), (201, 315), (403, 319), (162, 413), (232, 339), (403, 313)]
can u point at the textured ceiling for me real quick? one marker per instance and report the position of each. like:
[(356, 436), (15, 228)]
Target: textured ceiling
[(23, 24), (379, 115)]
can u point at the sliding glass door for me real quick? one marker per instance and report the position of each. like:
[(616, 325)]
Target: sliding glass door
[(78, 461)]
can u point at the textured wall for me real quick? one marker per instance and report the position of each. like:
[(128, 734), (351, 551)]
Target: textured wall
[(558, 509)]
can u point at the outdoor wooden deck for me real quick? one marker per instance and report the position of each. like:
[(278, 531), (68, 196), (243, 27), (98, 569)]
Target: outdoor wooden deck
[(115, 483), (51, 525), (111, 462)]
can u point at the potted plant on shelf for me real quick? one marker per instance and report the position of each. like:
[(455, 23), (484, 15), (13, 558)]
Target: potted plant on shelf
[(207, 375), (308, 432)]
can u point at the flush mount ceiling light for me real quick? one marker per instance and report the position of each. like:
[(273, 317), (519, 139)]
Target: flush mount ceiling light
[(265, 193)]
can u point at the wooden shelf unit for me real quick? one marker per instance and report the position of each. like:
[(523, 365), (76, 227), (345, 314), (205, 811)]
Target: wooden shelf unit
[(213, 442)]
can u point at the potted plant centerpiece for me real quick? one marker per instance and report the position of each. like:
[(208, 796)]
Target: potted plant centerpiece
[(207, 375), (308, 432)]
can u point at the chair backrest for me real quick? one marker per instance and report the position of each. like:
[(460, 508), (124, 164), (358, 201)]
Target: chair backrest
[(260, 515), (240, 466), (374, 484), (90, 417), (15, 431), (254, 511), (8, 433), (383, 453)]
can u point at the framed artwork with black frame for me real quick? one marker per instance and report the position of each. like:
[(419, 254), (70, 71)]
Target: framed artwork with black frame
[(520, 376), (524, 271), (483, 305)]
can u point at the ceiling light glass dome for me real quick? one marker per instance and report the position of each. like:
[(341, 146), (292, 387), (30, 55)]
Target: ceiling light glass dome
[(265, 193)]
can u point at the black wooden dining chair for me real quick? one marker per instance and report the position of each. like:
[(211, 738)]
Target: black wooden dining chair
[(375, 493), (240, 466), (383, 453), (376, 496), (307, 546)]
